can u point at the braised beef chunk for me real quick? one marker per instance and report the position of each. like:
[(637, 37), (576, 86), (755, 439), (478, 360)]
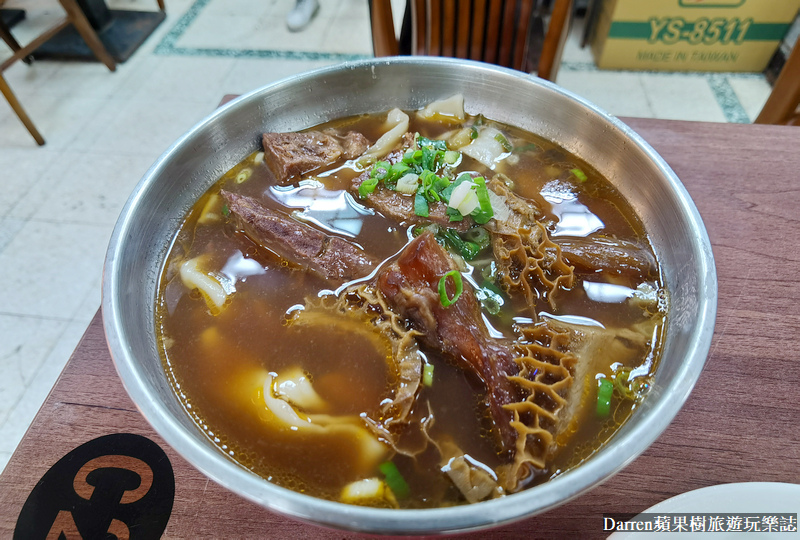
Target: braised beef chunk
[(354, 144), (604, 254), (410, 286), (400, 207), (331, 257), (291, 155)]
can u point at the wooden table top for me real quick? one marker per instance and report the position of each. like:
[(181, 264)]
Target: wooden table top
[(740, 423)]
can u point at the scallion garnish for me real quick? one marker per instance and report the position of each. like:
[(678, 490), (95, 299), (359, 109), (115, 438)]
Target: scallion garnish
[(604, 393), (579, 174), (394, 480), (451, 157), (427, 374), (420, 203), (225, 210), (490, 297), (451, 239), (503, 142), (484, 211), (443, 298), (479, 235), (367, 187), (525, 148)]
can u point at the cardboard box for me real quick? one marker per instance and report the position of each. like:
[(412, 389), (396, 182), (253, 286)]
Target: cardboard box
[(691, 35)]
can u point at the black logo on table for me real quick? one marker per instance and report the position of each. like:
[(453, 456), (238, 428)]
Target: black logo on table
[(116, 486)]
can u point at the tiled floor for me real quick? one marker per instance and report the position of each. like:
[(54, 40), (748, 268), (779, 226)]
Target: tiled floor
[(58, 203)]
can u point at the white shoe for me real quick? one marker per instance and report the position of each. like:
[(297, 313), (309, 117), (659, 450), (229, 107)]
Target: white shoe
[(301, 15)]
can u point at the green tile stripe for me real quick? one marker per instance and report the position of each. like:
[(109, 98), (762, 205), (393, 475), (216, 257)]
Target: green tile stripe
[(642, 31), (727, 99), (168, 46)]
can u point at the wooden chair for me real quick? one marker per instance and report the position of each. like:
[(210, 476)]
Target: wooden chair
[(781, 106), (15, 105), (75, 17), (494, 31)]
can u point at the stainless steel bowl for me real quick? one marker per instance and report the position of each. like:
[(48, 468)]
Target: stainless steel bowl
[(157, 206)]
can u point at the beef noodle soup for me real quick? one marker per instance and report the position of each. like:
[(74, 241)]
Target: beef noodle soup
[(410, 309)]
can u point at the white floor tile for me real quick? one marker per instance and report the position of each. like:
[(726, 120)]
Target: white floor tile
[(191, 78), (27, 78), (146, 126), (21, 169), (90, 304), (674, 96), (39, 387), (9, 227), (88, 80), (752, 93), (60, 121), (250, 74), (87, 188), (48, 268), (27, 342), (618, 93)]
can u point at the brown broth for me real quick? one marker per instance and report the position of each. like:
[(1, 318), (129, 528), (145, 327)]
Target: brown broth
[(217, 363)]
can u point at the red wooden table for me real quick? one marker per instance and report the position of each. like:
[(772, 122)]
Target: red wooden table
[(741, 422)]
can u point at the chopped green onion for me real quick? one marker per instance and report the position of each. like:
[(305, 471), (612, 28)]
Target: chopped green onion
[(427, 374), (367, 187), (490, 297), (225, 210), (395, 480), (451, 157), (503, 142), (450, 238), (395, 172), (489, 285), (628, 388), (443, 298), (479, 235), (473, 133), (484, 212), (380, 170), (243, 175), (454, 214), (446, 192), (604, 392), (420, 203), (579, 174), (525, 148), (433, 143)]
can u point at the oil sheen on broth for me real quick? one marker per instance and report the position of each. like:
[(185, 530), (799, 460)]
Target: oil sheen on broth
[(313, 324)]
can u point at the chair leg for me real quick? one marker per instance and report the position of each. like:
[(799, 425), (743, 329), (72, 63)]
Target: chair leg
[(161, 5), (785, 95), (78, 19), (5, 33), (553, 44), (384, 41), (26, 121)]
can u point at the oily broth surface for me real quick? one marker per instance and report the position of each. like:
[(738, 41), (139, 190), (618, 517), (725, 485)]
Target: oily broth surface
[(217, 364)]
